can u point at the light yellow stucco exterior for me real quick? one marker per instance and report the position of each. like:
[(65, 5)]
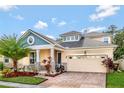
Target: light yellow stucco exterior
[(101, 39), (90, 63)]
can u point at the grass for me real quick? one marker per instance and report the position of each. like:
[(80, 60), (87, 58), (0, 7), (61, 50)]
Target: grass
[(24, 80), (1, 86), (115, 80)]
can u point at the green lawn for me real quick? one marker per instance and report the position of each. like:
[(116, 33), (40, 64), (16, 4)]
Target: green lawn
[(1, 86), (115, 80), (24, 80)]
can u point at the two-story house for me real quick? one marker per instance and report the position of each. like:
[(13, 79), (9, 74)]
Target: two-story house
[(76, 51)]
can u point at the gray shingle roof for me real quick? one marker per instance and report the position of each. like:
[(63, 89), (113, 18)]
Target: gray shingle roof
[(96, 34), (84, 42), (71, 33)]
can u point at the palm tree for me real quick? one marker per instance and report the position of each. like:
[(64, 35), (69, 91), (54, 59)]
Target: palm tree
[(13, 48)]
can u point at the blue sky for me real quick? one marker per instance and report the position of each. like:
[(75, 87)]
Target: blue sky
[(54, 20)]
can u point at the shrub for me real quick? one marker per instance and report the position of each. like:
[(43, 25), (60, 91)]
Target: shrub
[(16, 74), (108, 62), (1, 65), (110, 65), (6, 71)]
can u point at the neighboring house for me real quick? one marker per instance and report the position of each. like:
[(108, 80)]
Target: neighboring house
[(76, 51)]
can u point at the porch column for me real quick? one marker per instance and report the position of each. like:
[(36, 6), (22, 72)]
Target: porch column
[(52, 59), (38, 59)]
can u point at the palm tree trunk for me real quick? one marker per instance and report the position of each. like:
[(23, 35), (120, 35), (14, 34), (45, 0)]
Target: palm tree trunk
[(15, 65)]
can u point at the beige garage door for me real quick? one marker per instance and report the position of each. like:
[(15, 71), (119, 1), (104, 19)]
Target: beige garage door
[(85, 64)]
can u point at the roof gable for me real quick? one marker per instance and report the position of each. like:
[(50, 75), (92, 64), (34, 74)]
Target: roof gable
[(37, 39), (42, 39), (71, 33)]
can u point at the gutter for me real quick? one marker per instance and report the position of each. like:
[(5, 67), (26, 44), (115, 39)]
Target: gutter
[(112, 46)]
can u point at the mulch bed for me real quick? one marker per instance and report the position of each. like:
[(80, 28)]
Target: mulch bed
[(15, 74)]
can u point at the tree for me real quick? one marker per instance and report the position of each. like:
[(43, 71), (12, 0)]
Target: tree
[(13, 48), (112, 29), (119, 40)]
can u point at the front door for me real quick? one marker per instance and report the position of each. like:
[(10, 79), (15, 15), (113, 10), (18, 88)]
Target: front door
[(59, 58), (32, 57)]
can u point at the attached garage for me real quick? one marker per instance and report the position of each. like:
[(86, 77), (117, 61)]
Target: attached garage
[(82, 63), (86, 54), (85, 63), (86, 59)]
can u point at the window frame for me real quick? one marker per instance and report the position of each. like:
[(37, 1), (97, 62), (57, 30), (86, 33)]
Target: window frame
[(6, 58), (71, 38), (106, 40)]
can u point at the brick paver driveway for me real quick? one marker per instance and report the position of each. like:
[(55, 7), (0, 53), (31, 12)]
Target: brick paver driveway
[(76, 80)]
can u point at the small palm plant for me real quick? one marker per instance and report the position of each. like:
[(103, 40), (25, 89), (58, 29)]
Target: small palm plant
[(13, 48)]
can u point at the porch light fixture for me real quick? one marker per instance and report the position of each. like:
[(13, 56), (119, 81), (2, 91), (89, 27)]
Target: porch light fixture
[(30, 40)]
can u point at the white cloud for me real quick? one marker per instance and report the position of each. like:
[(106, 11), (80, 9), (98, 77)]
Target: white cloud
[(53, 20), (104, 11), (19, 17), (41, 25), (51, 36), (62, 23), (7, 7), (22, 32), (93, 29)]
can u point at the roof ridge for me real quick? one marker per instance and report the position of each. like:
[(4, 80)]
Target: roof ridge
[(71, 32)]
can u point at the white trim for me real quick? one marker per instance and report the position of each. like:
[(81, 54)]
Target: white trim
[(87, 55), (108, 39), (38, 55), (41, 46), (42, 38), (112, 46), (57, 56), (6, 58), (52, 51), (59, 49), (32, 51), (70, 38), (30, 37), (24, 35)]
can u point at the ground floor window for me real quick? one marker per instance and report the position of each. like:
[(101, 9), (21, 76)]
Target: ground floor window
[(6, 60)]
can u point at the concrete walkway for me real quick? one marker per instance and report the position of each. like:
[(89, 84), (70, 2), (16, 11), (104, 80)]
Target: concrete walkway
[(18, 85)]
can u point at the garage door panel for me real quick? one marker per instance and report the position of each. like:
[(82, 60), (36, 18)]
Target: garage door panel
[(86, 65)]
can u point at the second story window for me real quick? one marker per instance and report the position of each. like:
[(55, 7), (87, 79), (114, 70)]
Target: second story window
[(76, 37), (64, 38), (70, 38), (106, 40)]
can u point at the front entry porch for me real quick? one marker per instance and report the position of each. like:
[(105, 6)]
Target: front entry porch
[(37, 56)]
